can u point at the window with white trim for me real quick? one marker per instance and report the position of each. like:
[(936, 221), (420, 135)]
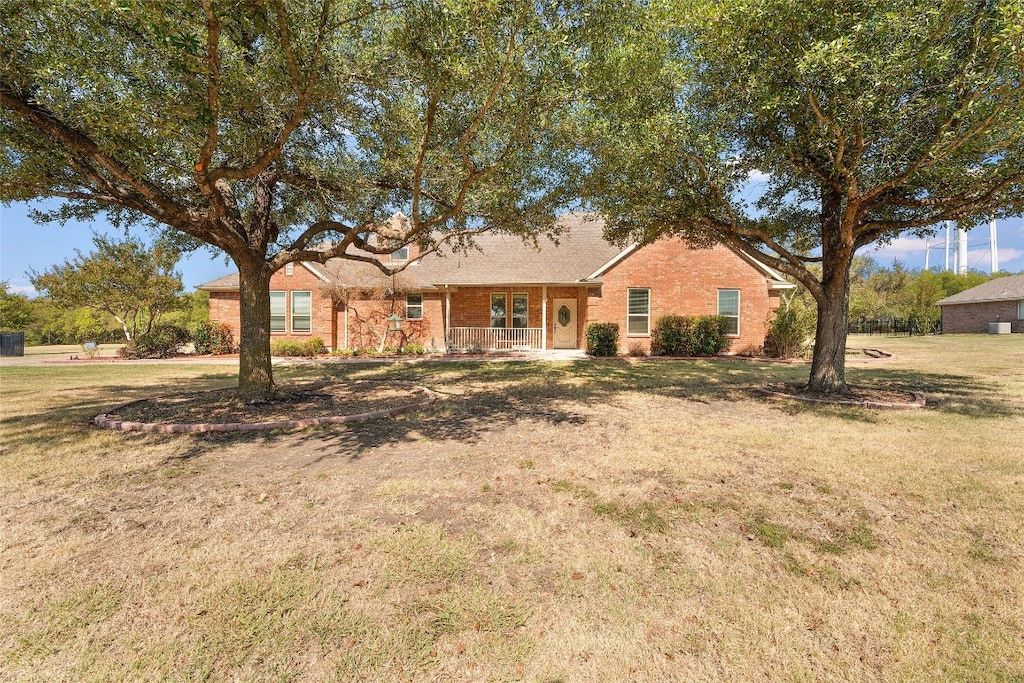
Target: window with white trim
[(499, 312), (289, 268), (414, 306), (638, 311), (729, 308), (302, 311), (400, 254), (1020, 310), (520, 310), (277, 313)]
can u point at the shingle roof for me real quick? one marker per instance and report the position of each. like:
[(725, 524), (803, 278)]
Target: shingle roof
[(1006, 288), (578, 252)]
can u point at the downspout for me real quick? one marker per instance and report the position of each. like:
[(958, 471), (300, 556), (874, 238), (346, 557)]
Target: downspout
[(447, 317)]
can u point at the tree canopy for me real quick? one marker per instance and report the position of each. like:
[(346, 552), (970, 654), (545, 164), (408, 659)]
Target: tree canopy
[(290, 131), (123, 278), (855, 122)]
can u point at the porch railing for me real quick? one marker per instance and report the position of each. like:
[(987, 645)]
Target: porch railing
[(494, 338)]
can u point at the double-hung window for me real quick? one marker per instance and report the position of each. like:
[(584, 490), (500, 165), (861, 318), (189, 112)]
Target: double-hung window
[(520, 310), (277, 314), (638, 311), (1020, 310), (729, 308), (414, 306), (302, 311), (499, 311)]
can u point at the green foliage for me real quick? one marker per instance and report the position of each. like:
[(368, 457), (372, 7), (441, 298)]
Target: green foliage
[(124, 279), (15, 309), (602, 339), (413, 348), (800, 131), (211, 337), (160, 342), (268, 129), (677, 335), (790, 326), (296, 349)]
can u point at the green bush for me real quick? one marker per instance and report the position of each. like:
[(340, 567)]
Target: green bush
[(212, 337), (602, 339), (296, 349), (678, 335), (316, 346), (413, 348), (160, 342), (789, 329)]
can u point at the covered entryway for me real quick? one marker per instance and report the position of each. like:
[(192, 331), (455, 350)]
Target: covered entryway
[(565, 324)]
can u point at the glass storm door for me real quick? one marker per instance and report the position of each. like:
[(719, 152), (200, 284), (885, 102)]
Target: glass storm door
[(565, 324)]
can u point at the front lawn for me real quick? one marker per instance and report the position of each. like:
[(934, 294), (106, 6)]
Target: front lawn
[(575, 521)]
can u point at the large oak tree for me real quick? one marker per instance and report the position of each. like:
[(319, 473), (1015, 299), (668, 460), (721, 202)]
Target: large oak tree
[(288, 131), (859, 121)]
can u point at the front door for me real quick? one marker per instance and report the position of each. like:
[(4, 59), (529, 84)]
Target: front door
[(565, 324)]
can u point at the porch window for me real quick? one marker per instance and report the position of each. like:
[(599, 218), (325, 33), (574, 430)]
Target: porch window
[(638, 312), (302, 311), (414, 306), (277, 316), (520, 310), (729, 308), (499, 316)]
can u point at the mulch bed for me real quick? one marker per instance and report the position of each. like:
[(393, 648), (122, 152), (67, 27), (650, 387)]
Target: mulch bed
[(870, 397), (310, 400)]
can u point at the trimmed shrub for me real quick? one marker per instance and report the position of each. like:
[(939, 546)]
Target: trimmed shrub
[(296, 349), (413, 348), (316, 346), (602, 339), (211, 337), (709, 336), (160, 342), (672, 336), (678, 335)]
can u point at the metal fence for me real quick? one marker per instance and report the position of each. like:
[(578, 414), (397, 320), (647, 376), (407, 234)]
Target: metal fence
[(894, 327), (12, 343)]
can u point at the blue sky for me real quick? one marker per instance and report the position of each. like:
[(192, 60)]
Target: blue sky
[(25, 245)]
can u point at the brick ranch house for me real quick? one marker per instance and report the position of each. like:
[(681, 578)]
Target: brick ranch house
[(998, 300), (508, 294)]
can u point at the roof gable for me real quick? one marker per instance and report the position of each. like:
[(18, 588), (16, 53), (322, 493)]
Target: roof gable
[(1008, 288)]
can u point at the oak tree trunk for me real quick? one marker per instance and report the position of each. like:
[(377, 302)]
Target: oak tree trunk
[(255, 374), (828, 368)]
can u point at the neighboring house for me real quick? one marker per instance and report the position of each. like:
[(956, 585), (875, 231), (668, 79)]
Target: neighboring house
[(510, 294), (998, 300)]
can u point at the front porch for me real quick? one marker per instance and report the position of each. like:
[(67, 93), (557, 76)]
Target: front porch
[(495, 339), (513, 318)]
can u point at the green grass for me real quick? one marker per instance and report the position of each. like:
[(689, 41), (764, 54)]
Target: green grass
[(580, 521)]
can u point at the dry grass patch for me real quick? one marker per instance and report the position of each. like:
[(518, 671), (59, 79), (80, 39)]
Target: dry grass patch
[(598, 521)]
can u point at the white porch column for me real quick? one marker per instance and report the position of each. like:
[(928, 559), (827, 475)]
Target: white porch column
[(447, 316), (344, 322), (544, 318)]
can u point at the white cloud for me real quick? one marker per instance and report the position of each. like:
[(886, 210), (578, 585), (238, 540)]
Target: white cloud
[(899, 247), (27, 290), (757, 176)]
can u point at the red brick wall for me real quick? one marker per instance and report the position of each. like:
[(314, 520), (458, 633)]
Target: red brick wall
[(364, 319), (685, 281), (966, 318), (224, 309)]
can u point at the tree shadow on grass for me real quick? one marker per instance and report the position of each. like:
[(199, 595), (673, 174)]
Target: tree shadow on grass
[(967, 395)]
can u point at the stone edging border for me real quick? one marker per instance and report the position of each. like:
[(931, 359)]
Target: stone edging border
[(918, 402), (105, 421)]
